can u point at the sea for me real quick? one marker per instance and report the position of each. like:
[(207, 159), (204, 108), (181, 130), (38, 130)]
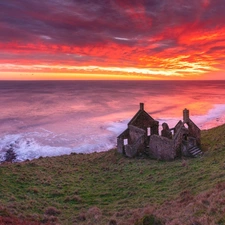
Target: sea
[(51, 118)]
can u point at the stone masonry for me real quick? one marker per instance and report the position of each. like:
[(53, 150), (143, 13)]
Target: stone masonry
[(142, 137)]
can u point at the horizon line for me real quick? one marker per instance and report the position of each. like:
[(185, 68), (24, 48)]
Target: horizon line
[(115, 80)]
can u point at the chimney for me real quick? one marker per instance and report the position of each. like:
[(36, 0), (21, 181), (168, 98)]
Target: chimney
[(141, 106), (186, 115)]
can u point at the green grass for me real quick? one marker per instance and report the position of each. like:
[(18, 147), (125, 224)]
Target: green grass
[(99, 186)]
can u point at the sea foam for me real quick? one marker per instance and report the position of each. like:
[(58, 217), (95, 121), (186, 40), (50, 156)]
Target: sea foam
[(52, 118)]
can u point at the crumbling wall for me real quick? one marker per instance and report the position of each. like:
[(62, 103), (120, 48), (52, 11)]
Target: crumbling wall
[(161, 148), (134, 149), (135, 133), (120, 141), (137, 141), (178, 138), (195, 132), (184, 149), (178, 126)]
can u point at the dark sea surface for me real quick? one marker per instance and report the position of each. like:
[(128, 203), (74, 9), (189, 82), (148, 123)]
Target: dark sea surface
[(48, 118)]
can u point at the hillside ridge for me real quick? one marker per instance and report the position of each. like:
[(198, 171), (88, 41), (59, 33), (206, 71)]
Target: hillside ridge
[(108, 188)]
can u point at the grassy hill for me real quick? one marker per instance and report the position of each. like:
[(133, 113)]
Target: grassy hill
[(107, 188)]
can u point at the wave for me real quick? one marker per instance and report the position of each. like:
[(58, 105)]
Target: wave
[(26, 147), (44, 143)]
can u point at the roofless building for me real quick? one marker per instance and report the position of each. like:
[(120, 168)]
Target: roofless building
[(142, 137)]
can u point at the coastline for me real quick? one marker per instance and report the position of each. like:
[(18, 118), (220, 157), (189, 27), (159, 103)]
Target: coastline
[(115, 187), (54, 118), (10, 156)]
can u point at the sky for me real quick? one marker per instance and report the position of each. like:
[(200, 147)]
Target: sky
[(112, 39)]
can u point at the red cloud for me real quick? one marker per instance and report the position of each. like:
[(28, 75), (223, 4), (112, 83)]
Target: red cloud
[(148, 37)]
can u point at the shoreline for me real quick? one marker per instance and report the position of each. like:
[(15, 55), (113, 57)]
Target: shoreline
[(12, 155), (101, 187)]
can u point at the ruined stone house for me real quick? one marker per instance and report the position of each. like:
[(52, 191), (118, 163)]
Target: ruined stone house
[(142, 137)]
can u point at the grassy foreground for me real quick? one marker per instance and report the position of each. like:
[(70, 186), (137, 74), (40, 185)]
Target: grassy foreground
[(107, 188)]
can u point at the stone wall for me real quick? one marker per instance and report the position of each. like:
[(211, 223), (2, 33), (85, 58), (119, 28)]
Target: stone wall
[(135, 133), (143, 120), (178, 126), (135, 148), (195, 132), (184, 148), (120, 141), (178, 138), (161, 148)]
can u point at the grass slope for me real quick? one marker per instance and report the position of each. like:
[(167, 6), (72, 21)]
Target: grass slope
[(107, 188)]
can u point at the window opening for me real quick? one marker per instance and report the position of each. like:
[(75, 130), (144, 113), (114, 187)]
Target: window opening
[(148, 131)]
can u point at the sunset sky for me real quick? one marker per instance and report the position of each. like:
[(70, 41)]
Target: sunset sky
[(112, 39)]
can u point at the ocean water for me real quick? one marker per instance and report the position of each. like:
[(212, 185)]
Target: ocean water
[(49, 118)]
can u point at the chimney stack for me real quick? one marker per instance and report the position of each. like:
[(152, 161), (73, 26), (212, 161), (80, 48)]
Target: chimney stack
[(141, 106), (186, 115)]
